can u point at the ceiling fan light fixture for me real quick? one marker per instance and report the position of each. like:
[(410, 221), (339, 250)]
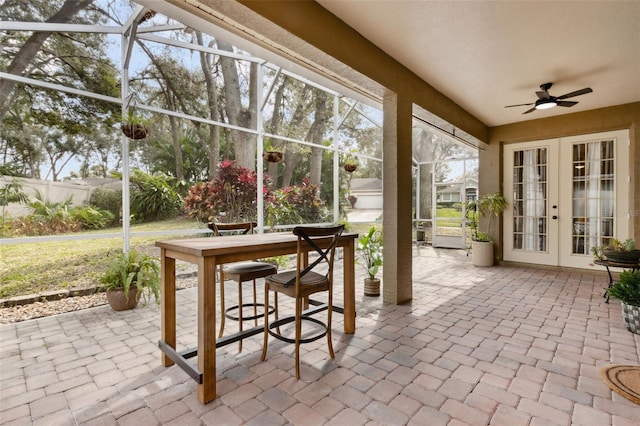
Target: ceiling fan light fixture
[(546, 104)]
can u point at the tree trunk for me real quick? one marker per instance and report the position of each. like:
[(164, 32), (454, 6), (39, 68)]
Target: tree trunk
[(315, 135), (31, 47), (213, 149), (237, 115), (274, 128), (177, 149)]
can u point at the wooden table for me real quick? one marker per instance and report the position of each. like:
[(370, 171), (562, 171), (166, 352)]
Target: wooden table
[(208, 253)]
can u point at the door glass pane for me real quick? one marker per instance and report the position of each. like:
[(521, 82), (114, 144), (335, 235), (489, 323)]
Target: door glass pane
[(593, 189), (530, 200)]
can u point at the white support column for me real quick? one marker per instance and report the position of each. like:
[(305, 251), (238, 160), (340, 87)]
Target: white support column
[(259, 150), (336, 160)]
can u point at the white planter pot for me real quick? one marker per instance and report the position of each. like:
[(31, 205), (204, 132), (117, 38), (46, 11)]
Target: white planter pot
[(482, 253), (631, 317)]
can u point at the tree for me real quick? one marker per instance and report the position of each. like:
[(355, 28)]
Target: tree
[(11, 192), (237, 114), (33, 45), (39, 121)]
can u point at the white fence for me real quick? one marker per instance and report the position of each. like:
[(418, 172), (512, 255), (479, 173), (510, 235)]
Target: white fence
[(53, 191)]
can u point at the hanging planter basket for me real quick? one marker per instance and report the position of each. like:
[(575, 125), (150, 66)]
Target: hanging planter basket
[(350, 168), (134, 131), (272, 156)]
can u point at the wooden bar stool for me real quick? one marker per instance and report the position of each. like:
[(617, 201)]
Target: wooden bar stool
[(303, 282), (242, 272)]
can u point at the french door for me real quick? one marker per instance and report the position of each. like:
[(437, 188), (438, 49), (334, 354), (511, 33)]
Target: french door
[(565, 197)]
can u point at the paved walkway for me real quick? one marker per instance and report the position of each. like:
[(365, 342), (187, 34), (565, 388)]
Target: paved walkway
[(501, 346)]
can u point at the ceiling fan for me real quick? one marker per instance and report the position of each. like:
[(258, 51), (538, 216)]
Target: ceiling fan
[(546, 101)]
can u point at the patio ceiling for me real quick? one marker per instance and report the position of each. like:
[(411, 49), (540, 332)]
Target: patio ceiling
[(485, 55)]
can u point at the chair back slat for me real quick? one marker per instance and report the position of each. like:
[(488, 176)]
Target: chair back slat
[(232, 228), (308, 234)]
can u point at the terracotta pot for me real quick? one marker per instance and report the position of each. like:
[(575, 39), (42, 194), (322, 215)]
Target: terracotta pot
[(272, 156), (350, 167), (134, 131), (372, 287), (119, 302)]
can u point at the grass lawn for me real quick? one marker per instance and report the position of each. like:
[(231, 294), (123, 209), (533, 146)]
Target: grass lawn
[(35, 268)]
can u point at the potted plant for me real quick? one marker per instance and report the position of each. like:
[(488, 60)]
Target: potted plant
[(487, 206), (271, 154), (618, 251), (627, 291), (350, 163), (370, 256), (135, 126), (129, 277)]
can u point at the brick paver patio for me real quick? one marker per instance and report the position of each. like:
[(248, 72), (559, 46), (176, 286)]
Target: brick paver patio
[(501, 346)]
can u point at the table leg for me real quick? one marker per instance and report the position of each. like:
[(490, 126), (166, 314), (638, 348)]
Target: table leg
[(349, 282), (606, 292), (167, 303), (207, 328)]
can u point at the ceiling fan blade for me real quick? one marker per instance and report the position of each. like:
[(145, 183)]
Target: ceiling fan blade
[(566, 103), (576, 93), (529, 110), (509, 106), (542, 94)]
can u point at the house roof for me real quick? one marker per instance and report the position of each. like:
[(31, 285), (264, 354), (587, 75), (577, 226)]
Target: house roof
[(366, 185)]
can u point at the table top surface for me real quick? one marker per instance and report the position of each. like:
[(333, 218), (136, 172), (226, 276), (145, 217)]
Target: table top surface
[(605, 262), (213, 246)]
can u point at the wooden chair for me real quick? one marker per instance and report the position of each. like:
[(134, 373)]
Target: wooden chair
[(301, 283), (241, 272)]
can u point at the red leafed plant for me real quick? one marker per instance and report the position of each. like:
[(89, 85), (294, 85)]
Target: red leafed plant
[(232, 195)]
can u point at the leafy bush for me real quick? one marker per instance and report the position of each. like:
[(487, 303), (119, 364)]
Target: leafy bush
[(108, 199), (295, 204), (34, 225), (153, 196), (92, 217), (232, 196), (280, 211), (47, 218), (627, 289)]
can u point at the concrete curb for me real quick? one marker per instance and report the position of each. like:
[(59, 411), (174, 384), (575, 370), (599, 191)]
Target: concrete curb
[(63, 294)]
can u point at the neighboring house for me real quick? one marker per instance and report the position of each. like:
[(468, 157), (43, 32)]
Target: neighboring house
[(368, 192), (452, 193), (368, 204)]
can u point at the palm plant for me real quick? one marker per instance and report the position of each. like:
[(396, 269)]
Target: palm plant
[(491, 205)]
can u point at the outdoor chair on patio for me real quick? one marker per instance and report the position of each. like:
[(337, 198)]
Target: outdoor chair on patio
[(241, 272), (303, 282)]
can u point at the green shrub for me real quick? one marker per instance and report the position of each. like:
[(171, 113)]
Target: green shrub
[(295, 204), (92, 217), (36, 225), (627, 289), (108, 199), (153, 196)]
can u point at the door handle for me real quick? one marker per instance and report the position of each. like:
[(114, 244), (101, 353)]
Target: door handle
[(554, 217)]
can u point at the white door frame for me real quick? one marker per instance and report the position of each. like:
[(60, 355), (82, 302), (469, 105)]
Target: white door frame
[(559, 251)]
